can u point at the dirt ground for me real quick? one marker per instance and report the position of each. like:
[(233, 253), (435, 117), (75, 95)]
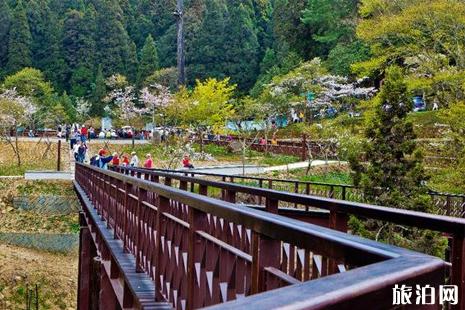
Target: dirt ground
[(55, 275), (22, 268)]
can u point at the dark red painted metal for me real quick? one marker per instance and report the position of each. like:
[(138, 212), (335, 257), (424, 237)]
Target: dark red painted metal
[(446, 203), (338, 215), (299, 148), (194, 251)]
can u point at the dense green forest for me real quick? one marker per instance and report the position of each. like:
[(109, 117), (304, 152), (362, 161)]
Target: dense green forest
[(76, 43)]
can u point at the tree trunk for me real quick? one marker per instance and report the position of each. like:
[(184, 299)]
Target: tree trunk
[(244, 146), (180, 42), (18, 156), (133, 137), (201, 142)]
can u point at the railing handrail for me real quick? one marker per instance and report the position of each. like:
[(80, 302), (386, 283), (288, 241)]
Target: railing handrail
[(293, 181), (441, 223), (255, 178), (262, 222), (383, 265)]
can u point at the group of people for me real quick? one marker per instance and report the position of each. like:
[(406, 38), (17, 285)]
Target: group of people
[(101, 160), (77, 136), (76, 132)]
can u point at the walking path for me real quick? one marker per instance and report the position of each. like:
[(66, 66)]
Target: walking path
[(303, 164), (101, 141), (225, 170), (49, 175), (251, 169)]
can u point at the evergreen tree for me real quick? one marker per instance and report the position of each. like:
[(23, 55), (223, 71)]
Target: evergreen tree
[(289, 32), (5, 21), (167, 47), (331, 21), (98, 92), (394, 176), (206, 56), (65, 101), (113, 44), (241, 46), (45, 44), (269, 60), (79, 50), (132, 63), (81, 81), (148, 60), (19, 40)]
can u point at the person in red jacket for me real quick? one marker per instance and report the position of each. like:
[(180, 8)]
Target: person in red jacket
[(186, 162), (148, 162), (115, 161), (84, 133), (125, 160)]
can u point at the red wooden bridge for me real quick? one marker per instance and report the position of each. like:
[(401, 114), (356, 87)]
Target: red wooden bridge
[(159, 240)]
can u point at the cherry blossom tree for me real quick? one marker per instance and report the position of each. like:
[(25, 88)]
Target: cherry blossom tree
[(82, 108), (156, 99), (124, 99), (15, 111)]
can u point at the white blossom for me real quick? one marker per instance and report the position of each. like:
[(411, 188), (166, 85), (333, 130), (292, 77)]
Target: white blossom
[(28, 108), (125, 100), (82, 107), (157, 97)]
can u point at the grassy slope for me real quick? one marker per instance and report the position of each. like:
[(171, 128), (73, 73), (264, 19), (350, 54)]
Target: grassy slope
[(55, 274)]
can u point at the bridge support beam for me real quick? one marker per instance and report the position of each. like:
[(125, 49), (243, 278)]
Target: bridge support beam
[(107, 297), (87, 251)]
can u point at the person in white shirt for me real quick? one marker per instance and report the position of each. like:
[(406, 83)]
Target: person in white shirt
[(76, 149), (134, 160)]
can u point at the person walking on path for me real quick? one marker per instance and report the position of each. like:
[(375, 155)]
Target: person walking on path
[(84, 133), (148, 162), (67, 132), (76, 150), (81, 153), (73, 139), (134, 160)]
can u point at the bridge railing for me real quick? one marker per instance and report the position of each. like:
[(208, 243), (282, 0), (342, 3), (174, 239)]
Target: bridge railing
[(308, 208), (446, 203), (323, 149), (200, 251)]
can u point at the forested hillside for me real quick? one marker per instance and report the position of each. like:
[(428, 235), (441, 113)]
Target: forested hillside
[(76, 43)]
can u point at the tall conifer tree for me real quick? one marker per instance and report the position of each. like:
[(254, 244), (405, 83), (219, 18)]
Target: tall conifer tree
[(148, 60), (5, 21), (241, 46), (19, 41)]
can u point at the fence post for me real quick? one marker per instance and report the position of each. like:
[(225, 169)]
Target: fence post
[(59, 156), (197, 221)]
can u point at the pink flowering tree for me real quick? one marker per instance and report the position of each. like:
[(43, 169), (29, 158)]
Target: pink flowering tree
[(15, 111), (156, 98), (124, 101)]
